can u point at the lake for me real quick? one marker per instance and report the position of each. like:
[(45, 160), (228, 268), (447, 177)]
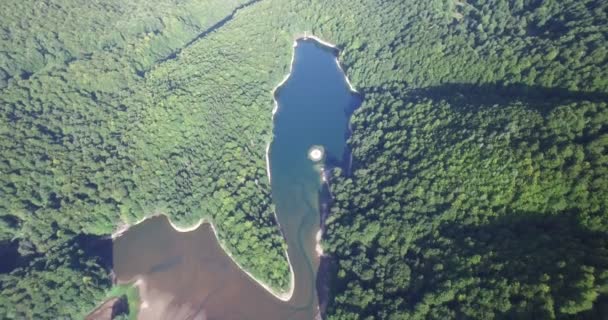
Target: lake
[(186, 275)]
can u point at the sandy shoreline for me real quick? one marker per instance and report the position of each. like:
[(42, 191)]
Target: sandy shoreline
[(318, 247), (283, 296)]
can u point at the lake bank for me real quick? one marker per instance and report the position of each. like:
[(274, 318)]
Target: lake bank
[(275, 108), (283, 296), (186, 268), (311, 108)]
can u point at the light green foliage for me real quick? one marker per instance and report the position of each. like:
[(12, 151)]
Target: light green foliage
[(35, 35)]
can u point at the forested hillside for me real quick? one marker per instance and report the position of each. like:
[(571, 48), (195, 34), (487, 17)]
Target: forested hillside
[(39, 35), (480, 182), (88, 144), (478, 187)]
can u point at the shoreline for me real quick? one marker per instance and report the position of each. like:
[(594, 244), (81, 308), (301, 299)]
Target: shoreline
[(318, 247), (319, 234), (275, 108), (323, 271), (283, 296), (333, 46), (140, 284)]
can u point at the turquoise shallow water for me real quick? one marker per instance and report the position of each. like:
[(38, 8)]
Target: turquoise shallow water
[(187, 275)]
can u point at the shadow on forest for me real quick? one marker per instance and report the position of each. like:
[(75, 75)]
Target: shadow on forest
[(9, 256), (206, 32), (121, 307), (472, 97), (518, 250), (95, 247), (88, 246)]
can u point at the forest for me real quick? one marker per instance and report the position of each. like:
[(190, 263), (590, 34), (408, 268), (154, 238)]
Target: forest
[(89, 143), (479, 183)]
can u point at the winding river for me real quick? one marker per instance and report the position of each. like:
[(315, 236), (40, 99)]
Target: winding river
[(187, 275)]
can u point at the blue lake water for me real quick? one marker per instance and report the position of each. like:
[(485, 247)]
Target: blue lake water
[(188, 276), (314, 108)]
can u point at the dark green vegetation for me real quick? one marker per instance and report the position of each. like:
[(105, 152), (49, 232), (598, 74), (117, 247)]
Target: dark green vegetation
[(87, 145), (479, 179), (314, 105), (63, 283), (131, 295), (479, 187)]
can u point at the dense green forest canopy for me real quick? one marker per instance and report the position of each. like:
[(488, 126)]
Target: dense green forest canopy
[(478, 187), (89, 144), (40, 35), (479, 184)]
